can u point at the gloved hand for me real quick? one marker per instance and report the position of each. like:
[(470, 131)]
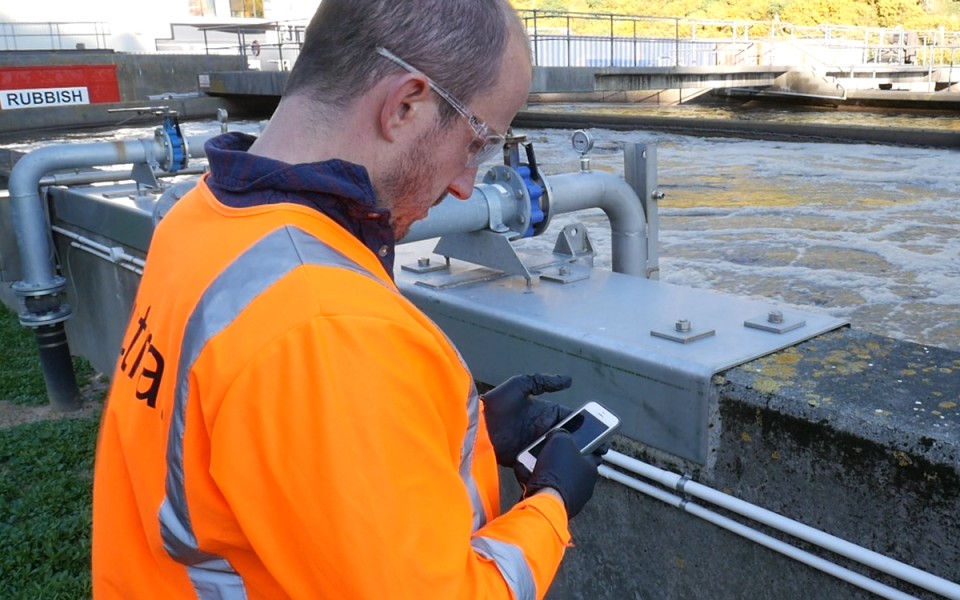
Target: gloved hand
[(561, 466), (514, 419)]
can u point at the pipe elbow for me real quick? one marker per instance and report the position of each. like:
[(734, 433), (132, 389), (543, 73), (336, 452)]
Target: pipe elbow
[(27, 172), (622, 206)]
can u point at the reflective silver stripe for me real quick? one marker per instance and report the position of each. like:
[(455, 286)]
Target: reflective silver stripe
[(469, 443), (466, 453), (252, 273), (512, 565)]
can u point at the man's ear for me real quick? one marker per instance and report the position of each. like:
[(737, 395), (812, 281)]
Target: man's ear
[(403, 103)]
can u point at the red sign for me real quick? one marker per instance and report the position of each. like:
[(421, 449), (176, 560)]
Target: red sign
[(99, 82)]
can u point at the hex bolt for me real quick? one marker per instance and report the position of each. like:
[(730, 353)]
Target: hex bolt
[(775, 316), (563, 271), (683, 325), (423, 262)]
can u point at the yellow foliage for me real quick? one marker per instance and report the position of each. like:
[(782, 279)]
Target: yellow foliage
[(911, 14)]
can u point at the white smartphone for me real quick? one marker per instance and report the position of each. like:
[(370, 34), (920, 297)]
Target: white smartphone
[(589, 425)]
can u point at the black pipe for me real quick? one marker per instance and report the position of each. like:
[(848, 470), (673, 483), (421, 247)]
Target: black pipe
[(57, 367)]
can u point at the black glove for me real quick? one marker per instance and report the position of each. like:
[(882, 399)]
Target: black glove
[(514, 419), (561, 466)]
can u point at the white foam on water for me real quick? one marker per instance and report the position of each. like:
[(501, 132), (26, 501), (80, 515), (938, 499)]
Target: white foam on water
[(861, 231)]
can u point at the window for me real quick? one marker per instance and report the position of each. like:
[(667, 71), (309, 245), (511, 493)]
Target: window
[(201, 8), (246, 8)]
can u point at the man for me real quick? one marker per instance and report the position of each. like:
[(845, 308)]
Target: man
[(282, 422)]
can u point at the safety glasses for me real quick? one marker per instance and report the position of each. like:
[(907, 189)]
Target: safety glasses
[(486, 142)]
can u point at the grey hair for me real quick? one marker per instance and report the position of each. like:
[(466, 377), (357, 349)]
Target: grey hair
[(458, 43)]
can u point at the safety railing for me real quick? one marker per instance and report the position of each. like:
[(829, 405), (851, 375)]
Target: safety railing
[(566, 39), (270, 45), (54, 36), (570, 39)]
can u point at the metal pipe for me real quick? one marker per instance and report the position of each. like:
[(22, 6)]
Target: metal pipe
[(41, 288), (753, 535), (29, 218), (865, 556), (463, 216), (568, 193), (57, 366), (613, 195)]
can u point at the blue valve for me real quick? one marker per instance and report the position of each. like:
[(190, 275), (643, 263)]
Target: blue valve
[(178, 145), (536, 192)]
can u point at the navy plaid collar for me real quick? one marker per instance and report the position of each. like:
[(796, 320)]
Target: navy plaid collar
[(337, 188)]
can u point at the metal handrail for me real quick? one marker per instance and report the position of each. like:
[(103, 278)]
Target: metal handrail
[(53, 35), (610, 40), (870, 44)]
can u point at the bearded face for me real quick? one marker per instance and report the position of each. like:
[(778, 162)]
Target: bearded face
[(413, 184)]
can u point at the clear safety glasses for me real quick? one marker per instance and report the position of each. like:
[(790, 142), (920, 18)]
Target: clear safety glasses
[(486, 142)]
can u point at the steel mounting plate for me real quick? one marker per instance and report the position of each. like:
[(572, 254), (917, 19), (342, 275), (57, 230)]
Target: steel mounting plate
[(597, 330)]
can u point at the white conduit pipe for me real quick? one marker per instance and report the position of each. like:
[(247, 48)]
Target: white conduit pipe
[(865, 556), (113, 254), (753, 535)]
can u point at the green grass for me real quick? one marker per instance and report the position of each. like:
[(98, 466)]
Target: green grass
[(46, 474), (21, 380), (46, 471)]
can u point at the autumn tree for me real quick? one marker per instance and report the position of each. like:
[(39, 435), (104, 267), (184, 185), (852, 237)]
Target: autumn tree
[(864, 13)]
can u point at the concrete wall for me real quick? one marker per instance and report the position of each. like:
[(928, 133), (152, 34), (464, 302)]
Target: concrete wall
[(139, 76), (851, 433), (563, 79)]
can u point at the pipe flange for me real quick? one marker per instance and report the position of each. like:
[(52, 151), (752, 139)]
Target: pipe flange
[(176, 150), (544, 224), (24, 289), (511, 181), (34, 320)]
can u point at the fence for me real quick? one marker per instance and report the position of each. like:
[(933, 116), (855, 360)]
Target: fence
[(591, 51), (561, 39), (53, 36), (584, 39), (271, 45)]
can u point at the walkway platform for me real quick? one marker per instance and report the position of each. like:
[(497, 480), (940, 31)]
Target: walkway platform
[(634, 84)]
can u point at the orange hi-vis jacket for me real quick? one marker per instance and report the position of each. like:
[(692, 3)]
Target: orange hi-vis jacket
[(283, 423)]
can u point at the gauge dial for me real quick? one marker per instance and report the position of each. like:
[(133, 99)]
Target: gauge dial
[(582, 141)]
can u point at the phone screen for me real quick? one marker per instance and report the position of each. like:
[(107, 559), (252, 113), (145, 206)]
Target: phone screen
[(584, 428)]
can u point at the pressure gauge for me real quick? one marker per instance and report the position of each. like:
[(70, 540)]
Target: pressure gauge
[(582, 142)]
